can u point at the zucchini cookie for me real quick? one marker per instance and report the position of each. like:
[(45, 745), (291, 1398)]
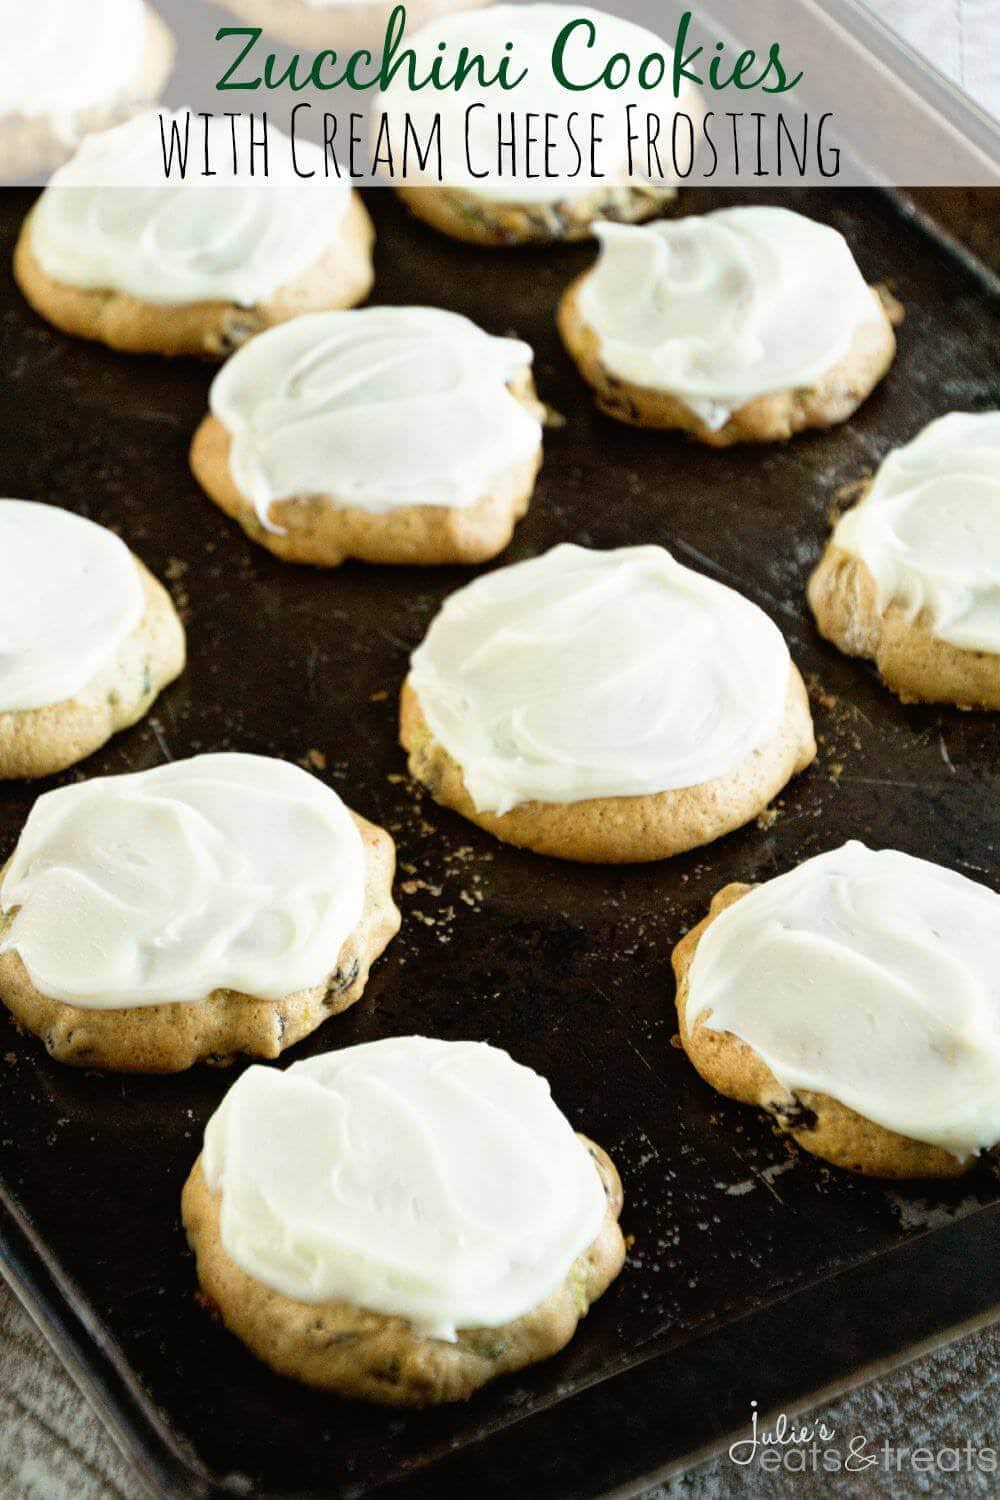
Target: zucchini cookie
[(318, 25), (68, 69), (857, 1000), (114, 251), (741, 326), (474, 193), (209, 907), (444, 1227), (607, 707), (393, 435), (911, 575), (88, 638)]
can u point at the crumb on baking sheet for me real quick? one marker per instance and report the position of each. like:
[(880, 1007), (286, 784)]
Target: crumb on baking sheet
[(768, 818), (313, 760)]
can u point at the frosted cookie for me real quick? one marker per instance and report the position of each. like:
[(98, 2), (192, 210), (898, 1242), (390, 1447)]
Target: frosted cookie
[(551, 198), (743, 325), (67, 69), (318, 25), (911, 576), (444, 1226), (857, 1000), (393, 434), (604, 706), (113, 251), (209, 907), (88, 638)]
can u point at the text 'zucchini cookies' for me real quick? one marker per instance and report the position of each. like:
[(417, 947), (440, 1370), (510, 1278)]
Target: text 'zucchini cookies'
[(341, 24), (477, 195), (401, 1221), (743, 325), (115, 252), (393, 435), (857, 1000), (67, 69), (604, 706), (88, 638), (213, 906), (911, 576)]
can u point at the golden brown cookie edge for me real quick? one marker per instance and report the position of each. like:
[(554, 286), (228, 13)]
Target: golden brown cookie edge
[(340, 278), (373, 1357), (317, 530), (767, 419), (42, 741), (623, 830), (172, 1037), (911, 660)]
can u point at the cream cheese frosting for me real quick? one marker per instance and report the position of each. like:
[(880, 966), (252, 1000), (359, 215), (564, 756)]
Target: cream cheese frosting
[(928, 529), (873, 978), (221, 872), (441, 1184), (585, 674), (469, 128), (717, 309), (379, 408), (110, 219), (61, 56), (70, 592)]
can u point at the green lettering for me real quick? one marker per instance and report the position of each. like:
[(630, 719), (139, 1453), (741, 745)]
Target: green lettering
[(254, 33)]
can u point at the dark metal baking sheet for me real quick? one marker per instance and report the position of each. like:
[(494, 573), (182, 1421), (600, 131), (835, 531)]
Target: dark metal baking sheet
[(755, 1272)]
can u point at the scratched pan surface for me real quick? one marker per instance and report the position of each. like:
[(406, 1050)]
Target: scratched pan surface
[(754, 1271)]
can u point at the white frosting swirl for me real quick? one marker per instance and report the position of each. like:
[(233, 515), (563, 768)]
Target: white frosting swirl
[(873, 978), (62, 56), (719, 308), (598, 674), (928, 529), (379, 408), (70, 592), (560, 174), (221, 872), (441, 1183), (110, 220)]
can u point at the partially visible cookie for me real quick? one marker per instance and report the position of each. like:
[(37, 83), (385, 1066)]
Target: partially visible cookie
[(390, 434), (607, 707), (479, 220), (856, 999), (68, 69), (745, 325), (88, 638), (473, 192), (444, 1226), (911, 575), (319, 25), (116, 252), (221, 905)]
